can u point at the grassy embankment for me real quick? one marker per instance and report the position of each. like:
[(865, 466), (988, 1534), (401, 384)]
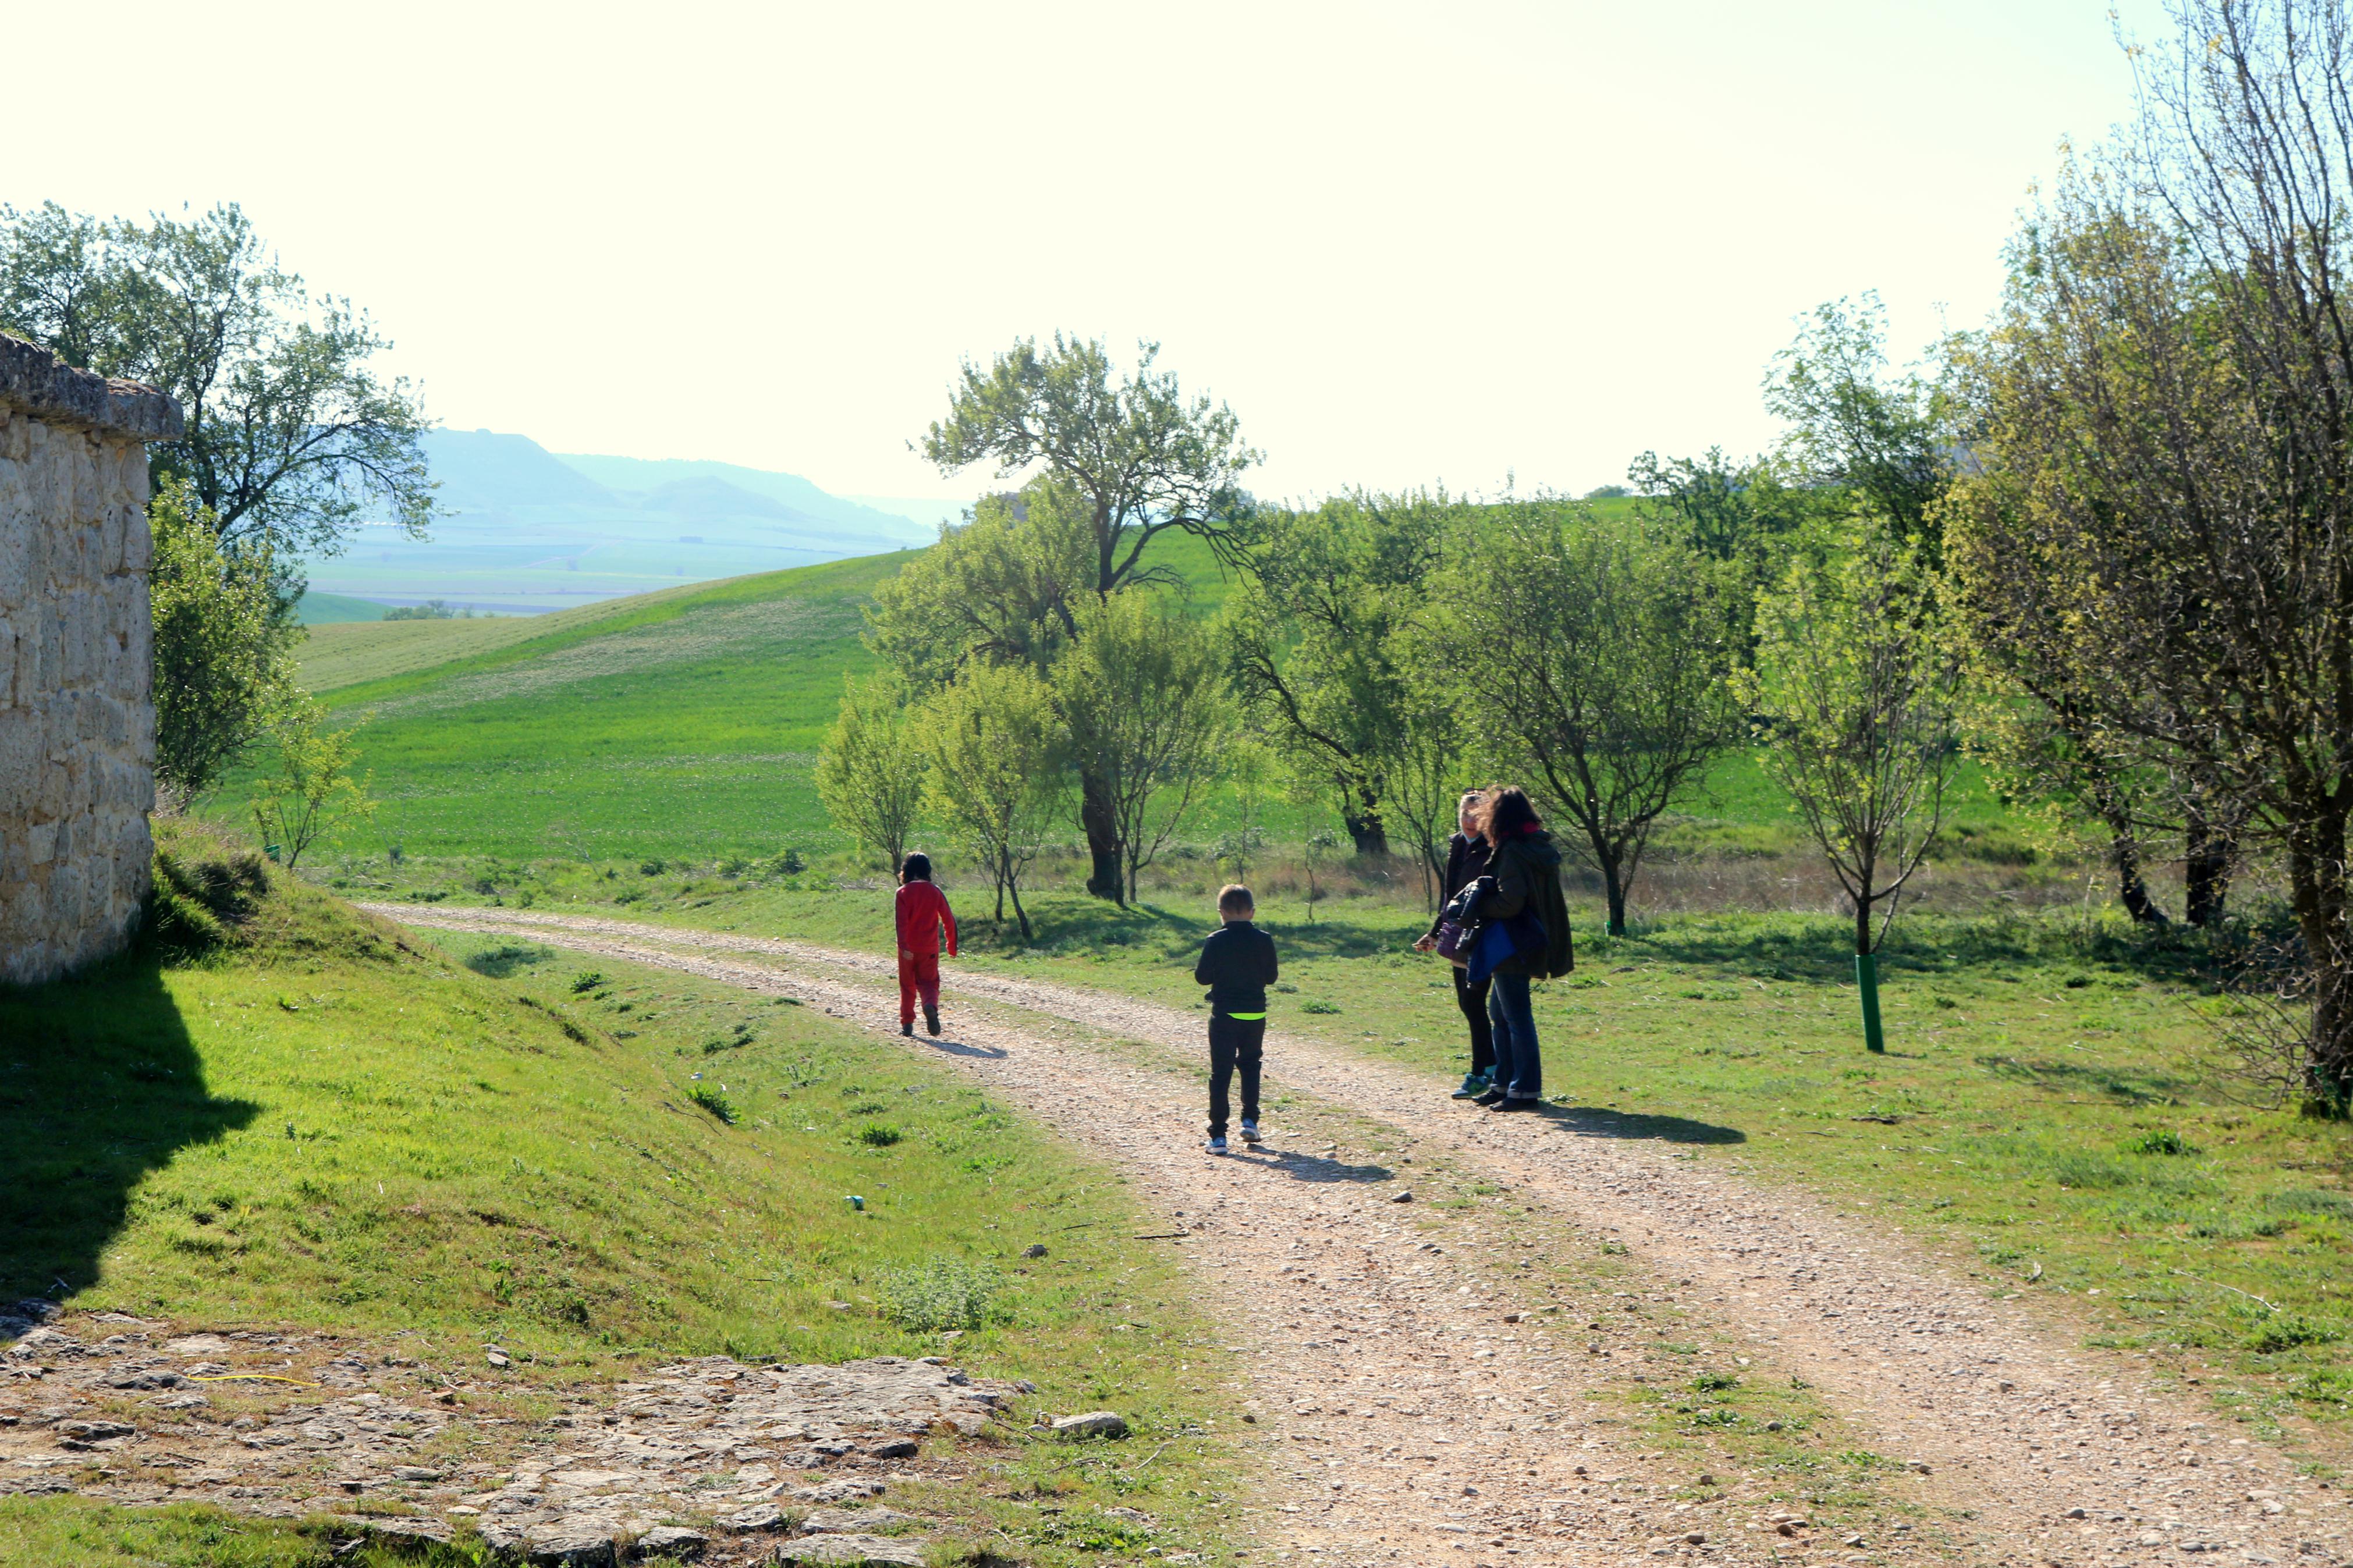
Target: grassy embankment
[(325, 1126), (2049, 1112)]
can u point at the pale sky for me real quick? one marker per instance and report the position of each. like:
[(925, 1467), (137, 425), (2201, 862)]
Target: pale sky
[(1410, 244)]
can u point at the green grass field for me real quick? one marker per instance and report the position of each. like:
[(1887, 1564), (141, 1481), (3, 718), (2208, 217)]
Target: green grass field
[(336, 609), (682, 725), (329, 1126)]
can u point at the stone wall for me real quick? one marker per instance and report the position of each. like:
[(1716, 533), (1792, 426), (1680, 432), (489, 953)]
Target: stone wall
[(77, 705)]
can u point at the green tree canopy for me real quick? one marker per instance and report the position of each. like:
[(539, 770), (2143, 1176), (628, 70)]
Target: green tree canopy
[(293, 437), (1593, 655), (1143, 698), (224, 657)]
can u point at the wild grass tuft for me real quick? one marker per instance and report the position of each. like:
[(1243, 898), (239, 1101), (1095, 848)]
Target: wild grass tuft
[(940, 1294)]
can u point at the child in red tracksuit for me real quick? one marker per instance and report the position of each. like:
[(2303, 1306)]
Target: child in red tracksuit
[(923, 910)]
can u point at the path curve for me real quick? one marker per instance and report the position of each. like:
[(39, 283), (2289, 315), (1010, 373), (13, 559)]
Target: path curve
[(2064, 1455)]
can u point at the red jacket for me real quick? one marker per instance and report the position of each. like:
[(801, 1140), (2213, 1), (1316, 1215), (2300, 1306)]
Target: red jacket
[(922, 909)]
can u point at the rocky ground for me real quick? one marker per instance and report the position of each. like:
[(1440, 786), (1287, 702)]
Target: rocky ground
[(711, 1458), (1414, 1420)]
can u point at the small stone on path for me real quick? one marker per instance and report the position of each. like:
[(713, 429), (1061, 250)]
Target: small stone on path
[(1093, 1424)]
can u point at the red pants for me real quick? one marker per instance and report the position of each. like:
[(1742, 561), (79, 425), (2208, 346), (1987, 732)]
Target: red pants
[(919, 974)]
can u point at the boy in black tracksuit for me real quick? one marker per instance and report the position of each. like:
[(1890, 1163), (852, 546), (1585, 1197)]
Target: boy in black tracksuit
[(1236, 965)]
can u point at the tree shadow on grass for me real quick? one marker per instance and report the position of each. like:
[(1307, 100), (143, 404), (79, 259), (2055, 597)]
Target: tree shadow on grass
[(99, 1085), (1819, 949), (1596, 1121), (1066, 923)]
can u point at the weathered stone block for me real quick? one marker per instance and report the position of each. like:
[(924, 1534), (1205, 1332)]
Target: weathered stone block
[(76, 715)]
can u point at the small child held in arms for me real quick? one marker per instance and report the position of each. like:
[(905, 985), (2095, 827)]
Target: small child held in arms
[(923, 910), (1236, 965)]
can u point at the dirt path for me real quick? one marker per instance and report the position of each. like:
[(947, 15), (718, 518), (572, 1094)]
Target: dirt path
[(2063, 1456)]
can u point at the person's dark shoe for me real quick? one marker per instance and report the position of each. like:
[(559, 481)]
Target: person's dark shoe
[(1520, 1102), (1492, 1097), (907, 1027), (931, 1021)]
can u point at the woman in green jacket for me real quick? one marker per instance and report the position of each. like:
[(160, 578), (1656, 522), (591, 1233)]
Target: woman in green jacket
[(1525, 865)]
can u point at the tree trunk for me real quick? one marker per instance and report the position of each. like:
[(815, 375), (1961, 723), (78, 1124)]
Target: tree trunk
[(1365, 827), (1614, 889), (1019, 913), (1867, 868), (2124, 851), (2206, 869), (2317, 877), (1102, 827), (2130, 888)]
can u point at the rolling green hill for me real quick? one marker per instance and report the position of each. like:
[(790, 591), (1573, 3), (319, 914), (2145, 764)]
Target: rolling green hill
[(682, 725), (336, 609)]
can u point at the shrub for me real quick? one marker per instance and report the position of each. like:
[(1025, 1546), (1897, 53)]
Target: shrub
[(2160, 1140), (938, 1295), (2285, 1333), (1317, 1007), (713, 1102), (879, 1134), (587, 980), (1714, 1382)]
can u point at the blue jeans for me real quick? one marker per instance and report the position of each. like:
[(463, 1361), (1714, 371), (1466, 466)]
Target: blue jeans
[(1519, 1070)]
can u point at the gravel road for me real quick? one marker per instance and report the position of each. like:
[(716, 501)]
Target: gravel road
[(2060, 1455)]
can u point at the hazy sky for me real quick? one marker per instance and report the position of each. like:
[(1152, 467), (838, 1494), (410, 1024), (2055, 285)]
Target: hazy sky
[(1408, 243)]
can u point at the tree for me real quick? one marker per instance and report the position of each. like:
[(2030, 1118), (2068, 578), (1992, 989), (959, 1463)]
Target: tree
[(1139, 457), (1316, 630), (311, 791), (871, 770), (1008, 586), (1851, 429), (2168, 491), (224, 657), (1596, 654), (292, 437), (996, 770), (1143, 700), (1856, 695), (1249, 769), (1428, 776)]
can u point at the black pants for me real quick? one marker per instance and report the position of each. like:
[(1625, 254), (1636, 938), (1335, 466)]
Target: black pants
[(1473, 1000), (1234, 1043)]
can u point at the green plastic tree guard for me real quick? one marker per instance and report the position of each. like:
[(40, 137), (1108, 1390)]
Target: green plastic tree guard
[(1866, 980)]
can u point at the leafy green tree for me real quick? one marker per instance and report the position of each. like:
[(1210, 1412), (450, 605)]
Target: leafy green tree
[(1009, 586), (998, 769), (1857, 696), (293, 437), (1593, 654), (308, 791), (1429, 770), (1853, 427), (224, 655), (870, 768), (1139, 457), (1315, 634), (1143, 699)]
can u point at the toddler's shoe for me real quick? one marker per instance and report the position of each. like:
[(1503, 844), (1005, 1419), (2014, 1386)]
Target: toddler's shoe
[(1215, 1145), (931, 1021), (1250, 1132), (908, 1027), (1473, 1085)]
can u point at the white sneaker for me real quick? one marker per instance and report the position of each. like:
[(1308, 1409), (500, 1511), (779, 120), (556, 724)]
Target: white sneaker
[(1215, 1145), (1250, 1132)]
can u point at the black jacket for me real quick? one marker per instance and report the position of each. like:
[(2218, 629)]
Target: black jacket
[(1236, 965), (1466, 862), (1527, 876)]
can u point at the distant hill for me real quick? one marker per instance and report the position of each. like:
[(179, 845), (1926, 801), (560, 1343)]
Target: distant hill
[(336, 609), (528, 529)]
